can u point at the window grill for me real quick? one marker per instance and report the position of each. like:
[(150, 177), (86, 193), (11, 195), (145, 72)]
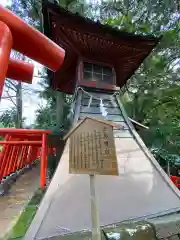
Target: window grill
[(98, 73)]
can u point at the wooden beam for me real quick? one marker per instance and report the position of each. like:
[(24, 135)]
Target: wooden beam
[(138, 124)]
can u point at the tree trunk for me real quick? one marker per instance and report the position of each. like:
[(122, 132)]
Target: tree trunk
[(59, 109), (168, 168), (59, 118), (19, 105)]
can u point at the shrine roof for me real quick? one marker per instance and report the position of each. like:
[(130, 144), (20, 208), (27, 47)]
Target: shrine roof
[(83, 38)]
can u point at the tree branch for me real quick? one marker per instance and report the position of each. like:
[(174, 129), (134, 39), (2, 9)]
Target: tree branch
[(11, 82), (10, 86), (10, 97), (40, 76)]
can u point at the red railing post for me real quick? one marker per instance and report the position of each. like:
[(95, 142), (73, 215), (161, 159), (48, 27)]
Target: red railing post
[(21, 156), (11, 160), (16, 157), (24, 157), (4, 157), (29, 155), (43, 161)]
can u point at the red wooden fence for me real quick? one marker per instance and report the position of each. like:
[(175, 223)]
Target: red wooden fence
[(176, 180), (20, 148)]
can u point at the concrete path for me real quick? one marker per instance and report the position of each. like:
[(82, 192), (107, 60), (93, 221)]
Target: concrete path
[(20, 193)]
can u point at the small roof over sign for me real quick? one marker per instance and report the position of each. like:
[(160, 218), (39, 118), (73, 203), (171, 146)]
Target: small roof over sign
[(109, 123)]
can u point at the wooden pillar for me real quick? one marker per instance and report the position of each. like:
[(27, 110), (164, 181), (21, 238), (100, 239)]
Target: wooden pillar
[(5, 49)]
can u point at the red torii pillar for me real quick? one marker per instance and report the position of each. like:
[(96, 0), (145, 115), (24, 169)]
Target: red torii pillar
[(5, 50)]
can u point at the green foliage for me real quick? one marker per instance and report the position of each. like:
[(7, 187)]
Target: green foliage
[(23, 223), (152, 95), (8, 118), (28, 10), (52, 164), (46, 116), (26, 216)]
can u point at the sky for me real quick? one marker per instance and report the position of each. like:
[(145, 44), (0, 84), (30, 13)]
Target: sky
[(5, 2), (31, 101)]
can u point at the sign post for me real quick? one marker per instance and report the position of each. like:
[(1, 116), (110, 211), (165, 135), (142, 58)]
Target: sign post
[(96, 231), (92, 152)]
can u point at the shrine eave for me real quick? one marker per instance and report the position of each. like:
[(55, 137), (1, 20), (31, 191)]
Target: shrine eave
[(84, 38)]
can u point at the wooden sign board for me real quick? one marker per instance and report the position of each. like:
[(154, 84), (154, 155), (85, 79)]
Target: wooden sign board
[(92, 149)]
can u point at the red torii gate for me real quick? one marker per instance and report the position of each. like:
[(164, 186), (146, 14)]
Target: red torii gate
[(20, 148), (16, 34)]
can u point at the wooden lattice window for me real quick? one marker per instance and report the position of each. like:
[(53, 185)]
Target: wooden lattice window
[(98, 73)]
